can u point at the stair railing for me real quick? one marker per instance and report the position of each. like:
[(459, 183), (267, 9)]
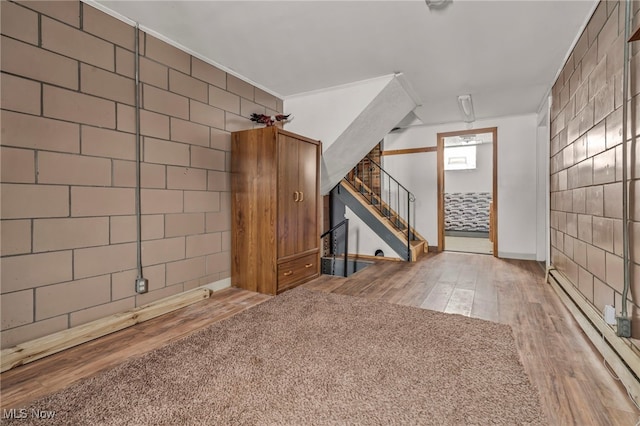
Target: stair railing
[(334, 249), (382, 191)]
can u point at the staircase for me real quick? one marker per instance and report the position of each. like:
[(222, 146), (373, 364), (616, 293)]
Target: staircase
[(384, 205)]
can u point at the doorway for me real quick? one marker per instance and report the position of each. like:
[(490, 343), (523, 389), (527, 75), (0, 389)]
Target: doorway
[(467, 191)]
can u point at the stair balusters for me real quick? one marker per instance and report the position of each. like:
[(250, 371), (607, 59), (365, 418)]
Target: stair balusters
[(386, 194)]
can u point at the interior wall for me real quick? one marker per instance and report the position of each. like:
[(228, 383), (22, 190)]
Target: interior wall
[(68, 172), (479, 179), (414, 171), (542, 157), (586, 163), (516, 143), (362, 240), (542, 194)]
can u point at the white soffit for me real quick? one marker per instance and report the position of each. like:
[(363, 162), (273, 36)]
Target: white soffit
[(388, 108)]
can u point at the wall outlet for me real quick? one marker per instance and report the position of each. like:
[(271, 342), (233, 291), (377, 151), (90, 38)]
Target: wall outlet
[(624, 327), (142, 285), (609, 315)]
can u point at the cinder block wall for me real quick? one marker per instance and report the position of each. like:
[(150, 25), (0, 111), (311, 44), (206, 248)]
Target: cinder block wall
[(68, 172), (586, 163)]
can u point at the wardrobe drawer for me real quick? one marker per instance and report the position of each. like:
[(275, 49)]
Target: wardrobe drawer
[(297, 270)]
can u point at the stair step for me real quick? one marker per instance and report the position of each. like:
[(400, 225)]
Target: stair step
[(386, 219)]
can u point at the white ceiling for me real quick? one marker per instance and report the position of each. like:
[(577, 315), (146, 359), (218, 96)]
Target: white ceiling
[(506, 54)]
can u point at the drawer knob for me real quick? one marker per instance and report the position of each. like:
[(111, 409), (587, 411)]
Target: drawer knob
[(286, 274), (308, 265)]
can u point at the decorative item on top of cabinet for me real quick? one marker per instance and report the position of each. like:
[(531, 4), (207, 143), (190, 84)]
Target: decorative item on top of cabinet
[(275, 209)]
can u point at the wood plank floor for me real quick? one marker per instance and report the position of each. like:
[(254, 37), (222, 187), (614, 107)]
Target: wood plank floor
[(28, 382), (575, 386)]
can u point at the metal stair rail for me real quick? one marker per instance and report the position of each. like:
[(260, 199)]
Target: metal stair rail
[(333, 248), (386, 194)]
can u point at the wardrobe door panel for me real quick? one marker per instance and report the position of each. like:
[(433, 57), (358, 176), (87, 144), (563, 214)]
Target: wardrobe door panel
[(288, 195), (308, 232)]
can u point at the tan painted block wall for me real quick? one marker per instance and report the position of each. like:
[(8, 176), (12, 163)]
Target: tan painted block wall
[(68, 224), (586, 162)]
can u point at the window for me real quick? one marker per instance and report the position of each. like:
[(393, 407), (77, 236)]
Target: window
[(460, 157)]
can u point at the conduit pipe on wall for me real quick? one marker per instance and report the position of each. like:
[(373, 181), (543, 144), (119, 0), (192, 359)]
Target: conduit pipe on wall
[(141, 284), (624, 323)]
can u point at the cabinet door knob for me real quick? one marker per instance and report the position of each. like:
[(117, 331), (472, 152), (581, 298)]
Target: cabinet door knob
[(301, 196), (286, 274), (308, 265), (296, 196)]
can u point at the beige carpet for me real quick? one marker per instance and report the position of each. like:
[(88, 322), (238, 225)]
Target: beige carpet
[(308, 357)]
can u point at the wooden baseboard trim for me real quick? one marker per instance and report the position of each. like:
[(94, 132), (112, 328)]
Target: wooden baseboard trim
[(366, 257), (617, 352), (218, 285), (409, 150), (32, 350)]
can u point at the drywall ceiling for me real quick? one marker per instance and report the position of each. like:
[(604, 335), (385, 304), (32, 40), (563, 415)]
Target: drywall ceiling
[(506, 54)]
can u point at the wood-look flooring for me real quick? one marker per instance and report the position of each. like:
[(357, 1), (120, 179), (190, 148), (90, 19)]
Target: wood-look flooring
[(575, 386), (31, 381)]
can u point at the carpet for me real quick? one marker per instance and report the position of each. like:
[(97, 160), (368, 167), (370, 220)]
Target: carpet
[(306, 357)]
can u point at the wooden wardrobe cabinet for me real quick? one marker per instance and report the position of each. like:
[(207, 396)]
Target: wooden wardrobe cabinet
[(275, 209)]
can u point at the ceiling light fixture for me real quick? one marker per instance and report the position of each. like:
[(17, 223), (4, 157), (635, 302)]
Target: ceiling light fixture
[(466, 108)]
